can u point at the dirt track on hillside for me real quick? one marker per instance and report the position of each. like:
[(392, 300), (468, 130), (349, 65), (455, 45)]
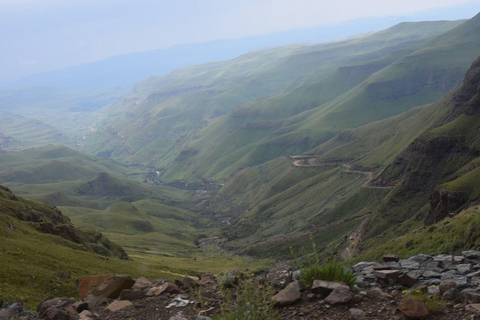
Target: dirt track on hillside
[(311, 161)]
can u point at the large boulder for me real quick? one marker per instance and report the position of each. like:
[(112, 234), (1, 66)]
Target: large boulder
[(340, 295), (96, 288), (414, 309)]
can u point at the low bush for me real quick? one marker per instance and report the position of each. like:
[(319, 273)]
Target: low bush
[(249, 300), (332, 271), (312, 269)]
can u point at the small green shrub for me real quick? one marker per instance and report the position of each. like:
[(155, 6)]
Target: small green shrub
[(332, 271), (329, 271), (250, 300)]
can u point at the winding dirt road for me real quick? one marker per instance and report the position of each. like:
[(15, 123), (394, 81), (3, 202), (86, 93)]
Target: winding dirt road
[(311, 161)]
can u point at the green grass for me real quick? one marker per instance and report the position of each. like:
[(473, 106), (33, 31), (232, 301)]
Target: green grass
[(249, 300), (329, 271), (450, 235), (434, 304), (29, 259)]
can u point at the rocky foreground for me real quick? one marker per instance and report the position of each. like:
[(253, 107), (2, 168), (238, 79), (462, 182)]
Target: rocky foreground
[(388, 290)]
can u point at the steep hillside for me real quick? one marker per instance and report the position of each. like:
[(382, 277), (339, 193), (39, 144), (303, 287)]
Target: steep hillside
[(437, 172), (175, 122), (390, 85), (48, 219), (410, 169)]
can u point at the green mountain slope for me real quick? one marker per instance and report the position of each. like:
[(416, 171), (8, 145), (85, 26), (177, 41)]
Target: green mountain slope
[(437, 172), (251, 135), (422, 164), (183, 122)]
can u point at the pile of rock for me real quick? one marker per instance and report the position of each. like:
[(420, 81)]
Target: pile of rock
[(459, 273), (380, 289), (455, 279), (109, 294)]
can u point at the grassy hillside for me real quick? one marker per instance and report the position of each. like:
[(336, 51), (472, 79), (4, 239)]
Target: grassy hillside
[(450, 235), (39, 260), (387, 86), (423, 164), (207, 121), (270, 207), (155, 224)]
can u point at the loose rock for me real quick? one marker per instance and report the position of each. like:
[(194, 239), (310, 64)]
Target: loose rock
[(414, 309), (119, 305)]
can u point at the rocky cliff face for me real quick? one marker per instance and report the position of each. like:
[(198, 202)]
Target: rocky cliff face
[(434, 159)]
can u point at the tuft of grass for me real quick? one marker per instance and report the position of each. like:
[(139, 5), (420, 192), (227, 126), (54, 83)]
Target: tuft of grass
[(434, 303), (332, 271), (250, 300), (329, 271)]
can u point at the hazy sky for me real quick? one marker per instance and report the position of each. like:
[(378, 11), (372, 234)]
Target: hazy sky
[(40, 35)]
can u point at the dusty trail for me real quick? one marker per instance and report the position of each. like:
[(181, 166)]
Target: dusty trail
[(354, 241)]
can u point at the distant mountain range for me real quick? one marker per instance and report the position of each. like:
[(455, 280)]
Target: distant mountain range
[(125, 70)]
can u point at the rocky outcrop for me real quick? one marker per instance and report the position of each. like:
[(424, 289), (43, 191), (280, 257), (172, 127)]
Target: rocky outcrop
[(48, 219), (442, 203), (433, 159)]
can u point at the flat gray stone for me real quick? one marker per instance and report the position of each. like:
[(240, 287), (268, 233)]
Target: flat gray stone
[(464, 268), (473, 274), (449, 275), (388, 275), (421, 258), (431, 274), (362, 265), (410, 264), (471, 254)]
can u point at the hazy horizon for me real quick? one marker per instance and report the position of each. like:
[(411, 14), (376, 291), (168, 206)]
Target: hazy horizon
[(47, 35)]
